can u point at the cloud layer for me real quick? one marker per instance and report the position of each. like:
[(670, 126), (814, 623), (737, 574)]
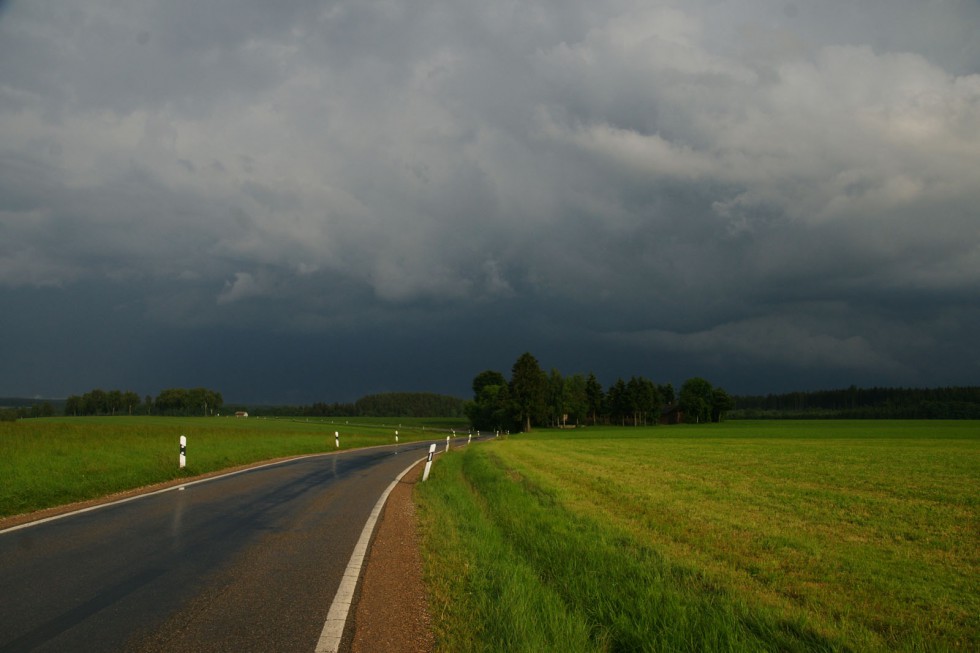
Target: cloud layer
[(762, 192)]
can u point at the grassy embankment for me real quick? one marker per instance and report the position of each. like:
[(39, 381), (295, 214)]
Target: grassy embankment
[(762, 536), (53, 461)]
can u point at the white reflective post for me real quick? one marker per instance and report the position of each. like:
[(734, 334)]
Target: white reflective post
[(428, 462), (183, 451), (336, 438)]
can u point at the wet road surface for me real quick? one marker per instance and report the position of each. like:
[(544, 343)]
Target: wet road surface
[(248, 562)]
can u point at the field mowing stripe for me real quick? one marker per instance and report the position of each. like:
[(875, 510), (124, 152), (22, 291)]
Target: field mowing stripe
[(333, 627)]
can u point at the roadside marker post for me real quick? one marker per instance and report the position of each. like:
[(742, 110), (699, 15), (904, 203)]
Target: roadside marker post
[(447, 443), (428, 462), (336, 438), (469, 438), (396, 437), (183, 451)]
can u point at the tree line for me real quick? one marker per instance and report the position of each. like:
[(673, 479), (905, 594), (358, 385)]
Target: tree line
[(207, 402), (864, 403), (532, 397), (12, 410), (172, 401), (387, 404)]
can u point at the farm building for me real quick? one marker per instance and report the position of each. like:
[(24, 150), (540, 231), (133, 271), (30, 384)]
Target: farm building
[(671, 414)]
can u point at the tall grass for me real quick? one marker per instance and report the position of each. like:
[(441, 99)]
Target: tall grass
[(49, 462), (832, 536)]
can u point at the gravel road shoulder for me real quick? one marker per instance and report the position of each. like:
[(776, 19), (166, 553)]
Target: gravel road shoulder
[(392, 612)]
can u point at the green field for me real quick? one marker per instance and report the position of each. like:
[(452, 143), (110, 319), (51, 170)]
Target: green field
[(741, 536), (53, 461)]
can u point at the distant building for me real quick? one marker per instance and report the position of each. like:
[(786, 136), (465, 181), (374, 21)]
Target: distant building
[(671, 414), (241, 413)]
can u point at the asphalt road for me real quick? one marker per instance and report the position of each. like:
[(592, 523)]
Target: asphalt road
[(248, 562)]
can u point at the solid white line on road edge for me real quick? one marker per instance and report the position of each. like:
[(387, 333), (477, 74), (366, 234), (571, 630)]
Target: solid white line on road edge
[(333, 627), (99, 506)]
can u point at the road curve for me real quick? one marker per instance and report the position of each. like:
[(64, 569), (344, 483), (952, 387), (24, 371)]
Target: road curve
[(246, 562)]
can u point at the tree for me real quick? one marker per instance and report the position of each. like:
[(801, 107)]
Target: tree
[(487, 378), (114, 401), (618, 402), (94, 402), (216, 400), (576, 398), (528, 385), (643, 399), (695, 399), (171, 401), (201, 401), (130, 400), (73, 405), (636, 399), (556, 397), (721, 403), (491, 407), (43, 409), (593, 397)]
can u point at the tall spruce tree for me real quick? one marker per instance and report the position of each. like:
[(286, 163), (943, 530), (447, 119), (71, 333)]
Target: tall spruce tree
[(528, 391)]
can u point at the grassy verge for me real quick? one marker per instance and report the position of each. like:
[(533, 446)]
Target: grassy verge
[(743, 537), (49, 462)]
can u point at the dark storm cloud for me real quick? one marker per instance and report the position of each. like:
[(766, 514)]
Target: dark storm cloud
[(765, 192)]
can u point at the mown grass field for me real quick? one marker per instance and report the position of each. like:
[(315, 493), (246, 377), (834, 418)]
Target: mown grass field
[(53, 461), (741, 536)]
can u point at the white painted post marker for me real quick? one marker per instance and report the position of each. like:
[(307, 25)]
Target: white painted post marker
[(336, 438), (396, 437), (447, 443), (183, 452), (469, 438), (428, 462)]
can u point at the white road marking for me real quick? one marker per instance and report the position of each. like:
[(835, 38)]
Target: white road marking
[(333, 627), (150, 494)]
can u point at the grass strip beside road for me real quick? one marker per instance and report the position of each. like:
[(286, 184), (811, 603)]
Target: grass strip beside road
[(740, 537), (55, 461)]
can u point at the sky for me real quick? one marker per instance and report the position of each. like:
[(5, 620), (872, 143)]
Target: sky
[(304, 200)]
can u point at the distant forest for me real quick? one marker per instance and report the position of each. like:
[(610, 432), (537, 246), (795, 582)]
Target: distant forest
[(863, 403), (389, 404), (14, 408), (203, 401), (845, 403)]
